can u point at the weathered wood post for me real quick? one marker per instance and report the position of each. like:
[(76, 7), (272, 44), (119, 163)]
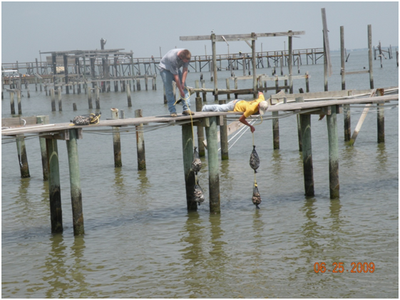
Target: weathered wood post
[(128, 95), (223, 132), (299, 131), (342, 58), (141, 155), (347, 122), (22, 157), (187, 148), (42, 141), (275, 129), (116, 140), (331, 120), (54, 186), (371, 73), (381, 118), (97, 97), (290, 63), (214, 60), (74, 177), (59, 99), (228, 87), (200, 129), (53, 100), (253, 60), (346, 107), (19, 102), (305, 127), (213, 165), (12, 105), (89, 93)]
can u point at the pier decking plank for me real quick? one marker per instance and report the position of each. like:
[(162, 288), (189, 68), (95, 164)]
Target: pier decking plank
[(181, 119)]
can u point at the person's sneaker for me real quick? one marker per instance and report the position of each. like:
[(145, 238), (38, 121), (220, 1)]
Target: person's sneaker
[(187, 112), (174, 115)]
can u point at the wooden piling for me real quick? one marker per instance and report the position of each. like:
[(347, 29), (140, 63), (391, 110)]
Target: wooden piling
[(213, 165), (59, 99), (342, 58), (347, 122), (22, 157), (12, 105), (89, 93), (19, 102), (187, 149), (275, 129), (371, 73), (116, 140), (54, 186), (141, 155), (331, 120), (299, 131), (381, 118), (97, 97), (74, 176), (53, 100), (200, 130), (305, 127), (128, 95), (43, 152), (223, 132)]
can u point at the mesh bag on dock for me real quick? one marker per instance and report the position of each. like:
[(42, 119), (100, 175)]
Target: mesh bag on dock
[(87, 119)]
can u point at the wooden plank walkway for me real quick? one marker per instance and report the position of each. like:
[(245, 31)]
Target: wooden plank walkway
[(181, 119)]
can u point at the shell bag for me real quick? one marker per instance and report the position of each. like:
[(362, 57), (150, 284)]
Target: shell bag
[(92, 118)]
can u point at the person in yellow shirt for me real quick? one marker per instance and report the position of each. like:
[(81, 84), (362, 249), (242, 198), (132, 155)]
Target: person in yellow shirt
[(248, 108)]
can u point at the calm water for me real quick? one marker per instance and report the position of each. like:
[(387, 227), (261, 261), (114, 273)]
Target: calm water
[(140, 241)]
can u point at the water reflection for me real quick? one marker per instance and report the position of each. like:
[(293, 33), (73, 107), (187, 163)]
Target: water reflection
[(65, 277), (276, 163), (22, 200), (309, 229), (381, 158), (56, 272), (203, 251)]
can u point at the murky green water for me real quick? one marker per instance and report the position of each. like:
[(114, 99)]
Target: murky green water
[(140, 241)]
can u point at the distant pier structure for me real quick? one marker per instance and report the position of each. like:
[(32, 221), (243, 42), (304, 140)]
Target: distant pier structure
[(103, 68)]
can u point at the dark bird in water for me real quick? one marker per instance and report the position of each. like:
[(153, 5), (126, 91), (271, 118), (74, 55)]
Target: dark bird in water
[(198, 193), (196, 163), (254, 160), (256, 196)]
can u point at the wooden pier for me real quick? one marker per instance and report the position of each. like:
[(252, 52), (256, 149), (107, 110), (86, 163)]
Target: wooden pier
[(323, 103)]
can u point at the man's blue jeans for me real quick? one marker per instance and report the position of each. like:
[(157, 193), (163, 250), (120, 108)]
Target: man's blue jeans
[(230, 106), (167, 79)]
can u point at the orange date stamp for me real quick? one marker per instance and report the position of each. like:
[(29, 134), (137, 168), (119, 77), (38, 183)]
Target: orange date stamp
[(338, 267)]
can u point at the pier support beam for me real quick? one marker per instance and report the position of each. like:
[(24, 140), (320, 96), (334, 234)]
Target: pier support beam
[(200, 129), (42, 141), (305, 129), (187, 148), (223, 131), (213, 165), (381, 118), (22, 157), (116, 140), (275, 129), (74, 176), (331, 121), (54, 186), (141, 155)]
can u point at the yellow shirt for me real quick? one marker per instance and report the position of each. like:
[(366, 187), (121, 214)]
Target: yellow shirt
[(248, 107)]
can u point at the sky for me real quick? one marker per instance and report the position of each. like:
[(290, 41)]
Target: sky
[(152, 28)]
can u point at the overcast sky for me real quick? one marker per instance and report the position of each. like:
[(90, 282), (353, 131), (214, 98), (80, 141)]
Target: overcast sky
[(148, 27)]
